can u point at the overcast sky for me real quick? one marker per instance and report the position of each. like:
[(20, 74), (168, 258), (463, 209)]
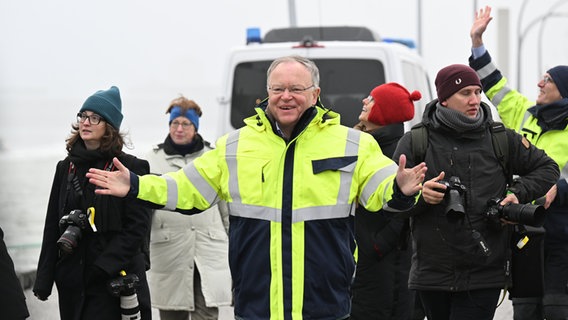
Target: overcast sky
[(54, 54)]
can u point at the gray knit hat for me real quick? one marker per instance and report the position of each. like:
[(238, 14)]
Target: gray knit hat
[(107, 104)]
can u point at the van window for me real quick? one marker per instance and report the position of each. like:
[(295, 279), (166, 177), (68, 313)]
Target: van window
[(344, 83)]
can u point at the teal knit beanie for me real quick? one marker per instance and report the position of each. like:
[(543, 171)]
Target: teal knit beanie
[(107, 104)]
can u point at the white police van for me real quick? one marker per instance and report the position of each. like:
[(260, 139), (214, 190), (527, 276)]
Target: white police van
[(351, 60)]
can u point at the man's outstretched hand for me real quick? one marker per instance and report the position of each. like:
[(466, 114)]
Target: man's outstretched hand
[(480, 22), (410, 180), (114, 183)]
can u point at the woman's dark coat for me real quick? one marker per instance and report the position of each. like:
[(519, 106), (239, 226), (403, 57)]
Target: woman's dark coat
[(82, 277), (380, 288)]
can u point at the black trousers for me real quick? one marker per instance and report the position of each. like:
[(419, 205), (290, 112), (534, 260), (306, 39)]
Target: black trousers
[(467, 305)]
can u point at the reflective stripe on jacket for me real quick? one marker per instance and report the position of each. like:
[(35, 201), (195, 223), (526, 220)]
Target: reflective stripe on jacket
[(291, 207), (512, 107), (179, 243)]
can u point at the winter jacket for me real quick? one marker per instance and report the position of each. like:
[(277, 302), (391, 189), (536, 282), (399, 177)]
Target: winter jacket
[(99, 257), (13, 302), (380, 288), (544, 126), (447, 252), (291, 205), (178, 243)]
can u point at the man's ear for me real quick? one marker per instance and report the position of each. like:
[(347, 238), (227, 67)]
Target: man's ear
[(315, 96)]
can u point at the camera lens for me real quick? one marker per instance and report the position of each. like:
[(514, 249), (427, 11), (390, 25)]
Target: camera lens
[(69, 239), (454, 205), (529, 214)]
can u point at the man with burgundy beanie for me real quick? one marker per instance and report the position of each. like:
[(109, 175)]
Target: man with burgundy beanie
[(380, 289), (460, 257), (545, 124)]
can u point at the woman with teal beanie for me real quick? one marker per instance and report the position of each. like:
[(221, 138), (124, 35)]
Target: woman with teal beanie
[(89, 239)]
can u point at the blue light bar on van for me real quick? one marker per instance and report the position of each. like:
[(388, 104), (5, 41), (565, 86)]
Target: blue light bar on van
[(253, 35), (407, 42)]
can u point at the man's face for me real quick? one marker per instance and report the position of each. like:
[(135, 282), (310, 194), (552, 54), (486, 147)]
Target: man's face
[(548, 91), (290, 93), (467, 101)]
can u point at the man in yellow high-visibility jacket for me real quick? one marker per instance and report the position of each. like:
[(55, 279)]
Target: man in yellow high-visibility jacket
[(291, 177), (544, 123)]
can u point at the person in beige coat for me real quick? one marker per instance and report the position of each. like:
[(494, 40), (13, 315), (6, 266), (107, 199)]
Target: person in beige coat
[(188, 253)]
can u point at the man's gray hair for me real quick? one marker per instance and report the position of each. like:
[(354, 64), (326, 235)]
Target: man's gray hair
[(309, 64)]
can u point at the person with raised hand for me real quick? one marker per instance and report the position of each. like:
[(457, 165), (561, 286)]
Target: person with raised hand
[(544, 123)]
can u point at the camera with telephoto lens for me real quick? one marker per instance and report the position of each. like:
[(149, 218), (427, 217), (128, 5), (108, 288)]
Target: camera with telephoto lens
[(529, 214), (454, 197), (125, 287), (73, 224)]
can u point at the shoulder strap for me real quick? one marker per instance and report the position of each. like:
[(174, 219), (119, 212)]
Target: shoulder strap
[(501, 147), (499, 139), (419, 134)]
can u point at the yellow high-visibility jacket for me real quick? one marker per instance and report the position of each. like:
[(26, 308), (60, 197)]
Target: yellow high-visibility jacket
[(291, 206)]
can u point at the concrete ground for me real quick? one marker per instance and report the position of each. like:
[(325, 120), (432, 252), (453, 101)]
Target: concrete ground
[(48, 310)]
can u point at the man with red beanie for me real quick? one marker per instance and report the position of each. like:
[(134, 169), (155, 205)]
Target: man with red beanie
[(545, 124), (460, 255), (380, 289)]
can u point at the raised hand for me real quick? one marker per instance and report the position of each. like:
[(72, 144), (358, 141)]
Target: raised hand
[(114, 183), (410, 180), (482, 19)]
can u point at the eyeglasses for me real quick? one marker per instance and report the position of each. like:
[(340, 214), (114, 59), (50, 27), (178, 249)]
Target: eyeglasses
[(369, 99), (547, 79), (296, 90), (93, 118), (184, 125)]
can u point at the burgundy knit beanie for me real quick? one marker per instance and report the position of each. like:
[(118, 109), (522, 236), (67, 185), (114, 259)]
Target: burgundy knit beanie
[(393, 104), (453, 78)]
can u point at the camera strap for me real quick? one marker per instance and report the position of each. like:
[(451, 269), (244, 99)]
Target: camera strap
[(73, 182)]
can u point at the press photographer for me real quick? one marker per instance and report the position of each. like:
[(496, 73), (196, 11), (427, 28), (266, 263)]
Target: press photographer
[(460, 266), (82, 251)]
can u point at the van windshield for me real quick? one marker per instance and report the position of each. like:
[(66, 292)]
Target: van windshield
[(344, 84)]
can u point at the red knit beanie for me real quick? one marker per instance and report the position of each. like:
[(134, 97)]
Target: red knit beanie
[(393, 104), (453, 78)]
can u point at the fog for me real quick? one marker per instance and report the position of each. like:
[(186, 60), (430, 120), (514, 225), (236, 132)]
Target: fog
[(54, 54)]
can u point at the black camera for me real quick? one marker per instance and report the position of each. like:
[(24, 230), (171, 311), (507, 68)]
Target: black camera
[(124, 285), (529, 214), (73, 224), (454, 197)]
